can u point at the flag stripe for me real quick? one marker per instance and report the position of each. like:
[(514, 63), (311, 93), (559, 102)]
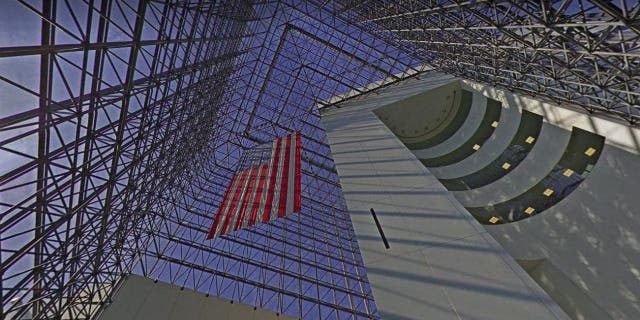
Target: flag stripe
[(290, 179), (297, 194), (267, 181), (272, 182), (247, 198), (265, 192), (282, 205), (233, 214), (225, 210), (216, 221), (279, 173), (234, 203), (254, 201), (259, 191)]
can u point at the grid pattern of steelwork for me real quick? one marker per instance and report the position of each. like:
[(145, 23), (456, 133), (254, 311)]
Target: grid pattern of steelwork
[(121, 124), (573, 52)]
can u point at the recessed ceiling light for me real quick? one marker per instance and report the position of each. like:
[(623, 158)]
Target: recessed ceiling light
[(530, 140), (547, 192), (494, 219), (568, 173), (495, 124), (506, 166), (589, 152), (476, 147), (529, 210)]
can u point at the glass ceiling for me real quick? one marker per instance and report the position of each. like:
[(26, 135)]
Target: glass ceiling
[(122, 122)]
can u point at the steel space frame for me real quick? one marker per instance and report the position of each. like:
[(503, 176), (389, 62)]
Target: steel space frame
[(140, 112)]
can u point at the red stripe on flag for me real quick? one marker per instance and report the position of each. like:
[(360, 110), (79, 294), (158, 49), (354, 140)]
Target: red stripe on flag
[(282, 204), (216, 221), (234, 202), (272, 182), (258, 198), (246, 198), (297, 196)]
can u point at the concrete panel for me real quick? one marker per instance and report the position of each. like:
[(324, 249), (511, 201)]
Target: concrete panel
[(217, 308), (417, 215), (573, 300), (542, 158), (130, 297), (618, 134), (399, 91), (188, 305), (408, 295), (468, 128), (501, 289), (431, 112), (491, 149), (140, 298), (592, 236), (469, 147)]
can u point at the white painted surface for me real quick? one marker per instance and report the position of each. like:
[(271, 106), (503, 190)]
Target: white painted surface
[(468, 128), (442, 263), (430, 112), (617, 134), (490, 150), (545, 154), (593, 235), (574, 301)]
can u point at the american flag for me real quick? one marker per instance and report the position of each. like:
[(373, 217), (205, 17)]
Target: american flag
[(262, 192)]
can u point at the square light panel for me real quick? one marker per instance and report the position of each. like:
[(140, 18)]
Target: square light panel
[(476, 147), (530, 140), (589, 152), (529, 210), (506, 166)]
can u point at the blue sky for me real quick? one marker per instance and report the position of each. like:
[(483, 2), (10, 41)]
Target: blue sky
[(293, 81)]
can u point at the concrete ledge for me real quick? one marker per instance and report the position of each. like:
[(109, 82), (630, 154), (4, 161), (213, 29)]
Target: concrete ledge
[(441, 263)]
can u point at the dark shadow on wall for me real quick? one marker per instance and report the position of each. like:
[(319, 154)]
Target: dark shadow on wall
[(485, 289), (577, 162), (481, 135), (570, 297), (593, 236), (519, 147)]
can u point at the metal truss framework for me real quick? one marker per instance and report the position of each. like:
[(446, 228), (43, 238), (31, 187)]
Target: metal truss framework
[(573, 52), (121, 124)]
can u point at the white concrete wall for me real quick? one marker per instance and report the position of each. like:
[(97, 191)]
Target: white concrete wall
[(592, 236), (617, 133), (544, 155), (470, 125), (140, 298), (490, 150), (575, 302), (442, 263), (430, 112)]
